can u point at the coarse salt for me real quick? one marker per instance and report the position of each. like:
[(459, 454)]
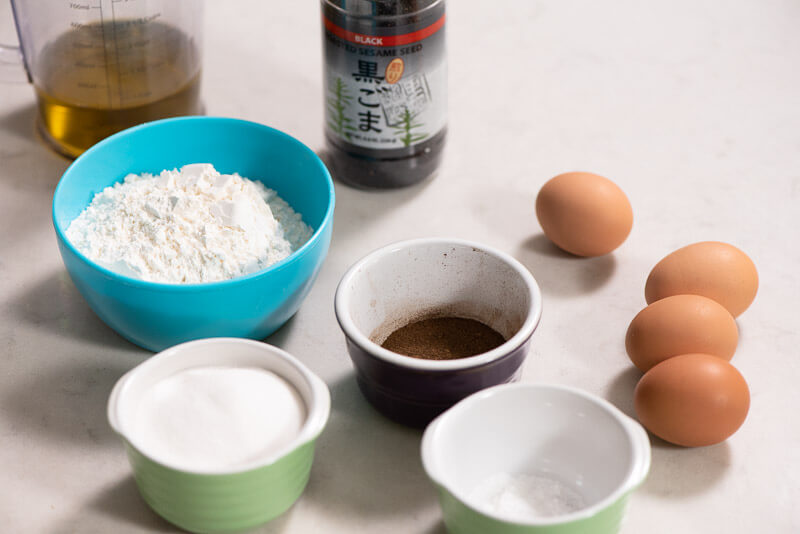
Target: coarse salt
[(526, 496)]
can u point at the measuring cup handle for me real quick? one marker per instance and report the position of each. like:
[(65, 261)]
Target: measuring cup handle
[(12, 65)]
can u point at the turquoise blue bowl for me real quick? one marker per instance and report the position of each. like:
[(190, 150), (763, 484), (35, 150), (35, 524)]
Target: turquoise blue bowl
[(155, 315)]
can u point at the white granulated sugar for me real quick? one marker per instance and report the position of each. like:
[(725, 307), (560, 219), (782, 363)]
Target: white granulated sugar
[(189, 226), (218, 417), (526, 496)]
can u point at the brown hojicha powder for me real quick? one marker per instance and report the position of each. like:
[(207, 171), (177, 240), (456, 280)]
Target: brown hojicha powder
[(443, 338)]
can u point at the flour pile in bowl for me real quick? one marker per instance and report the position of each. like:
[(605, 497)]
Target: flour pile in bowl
[(189, 226)]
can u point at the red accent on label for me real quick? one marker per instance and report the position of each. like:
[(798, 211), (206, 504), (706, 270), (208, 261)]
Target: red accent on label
[(383, 40)]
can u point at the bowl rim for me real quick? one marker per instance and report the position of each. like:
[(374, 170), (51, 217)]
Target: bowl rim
[(317, 406), (636, 434), (184, 287), (346, 323)]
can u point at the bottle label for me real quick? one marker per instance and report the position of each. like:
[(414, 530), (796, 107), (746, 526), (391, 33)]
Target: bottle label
[(385, 91)]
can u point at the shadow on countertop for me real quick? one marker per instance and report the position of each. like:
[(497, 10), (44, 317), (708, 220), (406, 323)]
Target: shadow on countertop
[(557, 272), (620, 390), (280, 336), (29, 173), (366, 464), (675, 471), (679, 472), (363, 206), (21, 122), (54, 303), (437, 528), (65, 402), (119, 504), (561, 273)]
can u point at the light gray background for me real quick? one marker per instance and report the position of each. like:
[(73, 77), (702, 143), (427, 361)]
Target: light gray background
[(693, 108)]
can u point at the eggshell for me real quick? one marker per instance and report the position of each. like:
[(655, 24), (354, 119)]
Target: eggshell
[(680, 324), (584, 214), (692, 400), (715, 270)]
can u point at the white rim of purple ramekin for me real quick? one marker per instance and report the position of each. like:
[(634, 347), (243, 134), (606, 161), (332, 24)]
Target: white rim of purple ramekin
[(342, 302)]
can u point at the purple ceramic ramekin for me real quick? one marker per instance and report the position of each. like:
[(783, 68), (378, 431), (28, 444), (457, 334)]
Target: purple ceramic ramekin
[(422, 278)]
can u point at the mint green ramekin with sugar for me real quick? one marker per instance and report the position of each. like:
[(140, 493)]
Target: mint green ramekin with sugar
[(560, 433), (221, 500)]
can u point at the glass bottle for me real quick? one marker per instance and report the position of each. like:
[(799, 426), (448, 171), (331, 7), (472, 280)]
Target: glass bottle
[(385, 83)]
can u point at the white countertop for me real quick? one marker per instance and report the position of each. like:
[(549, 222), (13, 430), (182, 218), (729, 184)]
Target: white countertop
[(693, 108)]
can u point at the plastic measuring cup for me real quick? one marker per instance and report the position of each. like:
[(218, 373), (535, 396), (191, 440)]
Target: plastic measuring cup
[(100, 66)]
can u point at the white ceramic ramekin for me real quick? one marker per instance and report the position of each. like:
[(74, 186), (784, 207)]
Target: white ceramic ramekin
[(221, 500), (558, 432)]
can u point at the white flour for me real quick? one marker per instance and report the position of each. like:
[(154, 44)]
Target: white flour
[(189, 226), (218, 417), (526, 496)]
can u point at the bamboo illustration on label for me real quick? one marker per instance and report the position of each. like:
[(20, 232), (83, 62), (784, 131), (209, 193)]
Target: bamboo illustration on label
[(404, 129), (337, 104)]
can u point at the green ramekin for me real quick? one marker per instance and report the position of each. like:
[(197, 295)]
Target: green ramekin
[(217, 500), (562, 432)]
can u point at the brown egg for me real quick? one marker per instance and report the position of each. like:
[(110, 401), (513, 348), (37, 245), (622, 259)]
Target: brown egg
[(715, 270), (584, 214), (680, 324), (692, 400)]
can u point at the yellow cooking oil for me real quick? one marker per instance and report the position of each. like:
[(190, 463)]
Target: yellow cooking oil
[(97, 79)]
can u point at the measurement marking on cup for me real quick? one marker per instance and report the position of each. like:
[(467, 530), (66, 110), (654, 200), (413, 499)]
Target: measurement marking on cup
[(116, 52), (105, 51)]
